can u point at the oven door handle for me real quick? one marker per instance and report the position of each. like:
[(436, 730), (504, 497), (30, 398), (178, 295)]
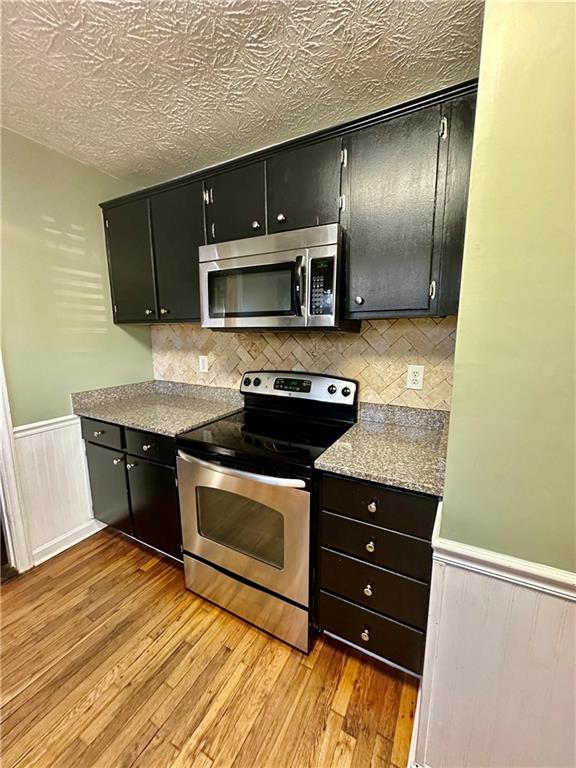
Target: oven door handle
[(280, 482)]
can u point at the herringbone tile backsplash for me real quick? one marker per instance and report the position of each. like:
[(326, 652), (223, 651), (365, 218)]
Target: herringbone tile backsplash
[(377, 357)]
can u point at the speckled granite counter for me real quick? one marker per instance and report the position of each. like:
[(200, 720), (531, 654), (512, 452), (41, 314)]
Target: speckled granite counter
[(393, 445), (165, 407)]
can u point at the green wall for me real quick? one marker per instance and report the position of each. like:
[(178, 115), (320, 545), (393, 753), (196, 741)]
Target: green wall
[(511, 463), (57, 331)]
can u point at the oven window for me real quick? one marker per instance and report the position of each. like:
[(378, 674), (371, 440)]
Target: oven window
[(262, 291), (241, 524)]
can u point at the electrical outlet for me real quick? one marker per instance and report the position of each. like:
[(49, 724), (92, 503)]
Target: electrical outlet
[(203, 363), (415, 377)]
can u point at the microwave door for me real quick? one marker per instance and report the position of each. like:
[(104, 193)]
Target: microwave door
[(251, 292)]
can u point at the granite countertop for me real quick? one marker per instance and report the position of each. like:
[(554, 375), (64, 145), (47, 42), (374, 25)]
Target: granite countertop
[(165, 407), (393, 445)]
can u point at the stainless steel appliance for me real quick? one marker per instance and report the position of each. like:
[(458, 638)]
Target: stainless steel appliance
[(283, 281), (245, 483)]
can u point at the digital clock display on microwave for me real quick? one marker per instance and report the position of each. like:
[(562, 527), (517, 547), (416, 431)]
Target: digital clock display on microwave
[(293, 385)]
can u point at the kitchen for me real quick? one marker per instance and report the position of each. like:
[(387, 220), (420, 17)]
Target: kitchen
[(265, 507)]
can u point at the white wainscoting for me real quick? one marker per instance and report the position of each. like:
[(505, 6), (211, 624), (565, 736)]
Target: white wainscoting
[(55, 492), (499, 683)]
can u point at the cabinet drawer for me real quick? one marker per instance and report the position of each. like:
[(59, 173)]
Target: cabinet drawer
[(402, 511), (102, 433), (400, 598), (151, 446), (395, 551), (384, 637)]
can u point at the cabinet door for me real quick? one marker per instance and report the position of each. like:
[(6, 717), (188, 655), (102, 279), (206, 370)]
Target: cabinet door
[(235, 206), (391, 185), (155, 507), (303, 186), (178, 230), (130, 262), (107, 471)]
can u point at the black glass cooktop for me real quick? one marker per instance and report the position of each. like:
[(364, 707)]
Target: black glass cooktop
[(264, 438)]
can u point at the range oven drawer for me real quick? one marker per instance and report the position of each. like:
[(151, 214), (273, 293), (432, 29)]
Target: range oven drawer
[(375, 588), (391, 640)]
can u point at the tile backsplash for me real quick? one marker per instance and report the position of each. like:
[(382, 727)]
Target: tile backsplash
[(377, 357)]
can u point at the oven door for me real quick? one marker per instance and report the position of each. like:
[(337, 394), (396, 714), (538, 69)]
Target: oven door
[(254, 291), (255, 526)]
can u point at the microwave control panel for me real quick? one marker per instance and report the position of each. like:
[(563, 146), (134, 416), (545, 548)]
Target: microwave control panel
[(322, 286)]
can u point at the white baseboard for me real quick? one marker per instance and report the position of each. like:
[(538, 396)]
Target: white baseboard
[(60, 543), (55, 490)]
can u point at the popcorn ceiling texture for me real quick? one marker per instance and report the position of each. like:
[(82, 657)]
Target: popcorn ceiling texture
[(150, 89), (377, 357)]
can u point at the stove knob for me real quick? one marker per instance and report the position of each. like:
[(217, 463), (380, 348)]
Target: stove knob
[(247, 381), (332, 389), (346, 391), (257, 382)]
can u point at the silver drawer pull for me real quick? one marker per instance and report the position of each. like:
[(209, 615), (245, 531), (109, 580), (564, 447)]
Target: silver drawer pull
[(98, 433), (372, 507), (368, 590), (146, 448), (370, 547), (365, 635)]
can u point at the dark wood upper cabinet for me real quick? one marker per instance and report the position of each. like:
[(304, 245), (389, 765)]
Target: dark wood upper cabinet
[(235, 204), (178, 231), (390, 183), (455, 161), (303, 186), (131, 262), (107, 472), (155, 507)]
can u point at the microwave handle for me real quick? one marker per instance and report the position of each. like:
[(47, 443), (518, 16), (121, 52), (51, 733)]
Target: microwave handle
[(282, 482), (299, 285)]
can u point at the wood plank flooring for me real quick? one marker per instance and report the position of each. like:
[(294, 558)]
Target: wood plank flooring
[(106, 660)]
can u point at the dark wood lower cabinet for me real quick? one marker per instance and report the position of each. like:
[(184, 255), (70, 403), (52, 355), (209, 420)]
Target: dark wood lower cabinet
[(132, 494), (155, 507), (107, 471), (374, 559)]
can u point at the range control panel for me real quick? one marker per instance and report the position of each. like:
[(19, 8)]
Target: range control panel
[(310, 386)]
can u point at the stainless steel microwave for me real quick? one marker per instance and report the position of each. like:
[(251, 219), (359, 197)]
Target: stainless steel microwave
[(284, 281)]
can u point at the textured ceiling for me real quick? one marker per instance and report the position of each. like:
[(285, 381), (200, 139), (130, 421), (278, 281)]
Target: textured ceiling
[(149, 89)]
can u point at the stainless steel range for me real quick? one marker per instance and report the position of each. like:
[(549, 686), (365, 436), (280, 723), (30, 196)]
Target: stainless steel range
[(245, 485)]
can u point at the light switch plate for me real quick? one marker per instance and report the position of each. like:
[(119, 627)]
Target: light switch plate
[(203, 363), (415, 377)]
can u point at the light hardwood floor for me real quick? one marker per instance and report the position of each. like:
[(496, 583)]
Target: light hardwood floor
[(108, 661)]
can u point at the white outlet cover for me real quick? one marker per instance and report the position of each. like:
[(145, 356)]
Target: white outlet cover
[(415, 377), (203, 363)]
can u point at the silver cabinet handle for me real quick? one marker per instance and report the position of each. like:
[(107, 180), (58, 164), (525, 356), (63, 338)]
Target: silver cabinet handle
[(147, 311), (99, 433), (282, 482), (116, 461), (130, 466), (372, 507), (280, 217), (370, 547), (255, 225), (359, 300), (365, 635), (213, 230), (164, 311), (146, 447), (368, 590)]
